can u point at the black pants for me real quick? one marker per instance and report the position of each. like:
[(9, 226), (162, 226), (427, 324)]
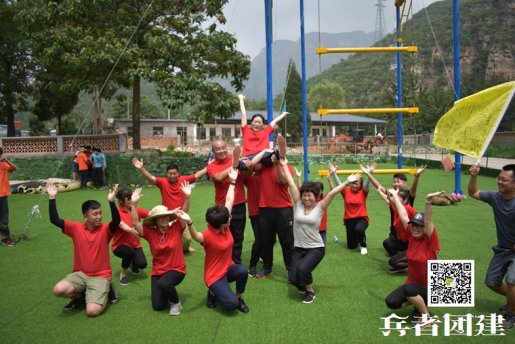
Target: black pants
[(4, 218), (393, 245), (129, 255), (237, 227), (84, 177), (163, 289), (256, 245), (272, 222), (98, 176), (399, 260), (304, 262), (400, 295), (356, 232)]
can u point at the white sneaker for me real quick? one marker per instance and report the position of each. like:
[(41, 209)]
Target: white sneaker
[(175, 308), (364, 251)]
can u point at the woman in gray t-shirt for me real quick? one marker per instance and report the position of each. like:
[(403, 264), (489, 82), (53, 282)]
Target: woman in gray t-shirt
[(309, 248)]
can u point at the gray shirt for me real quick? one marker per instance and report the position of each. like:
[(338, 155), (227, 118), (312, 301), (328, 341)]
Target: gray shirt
[(306, 227), (504, 215)]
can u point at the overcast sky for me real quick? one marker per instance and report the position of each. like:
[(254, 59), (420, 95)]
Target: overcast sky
[(246, 18)]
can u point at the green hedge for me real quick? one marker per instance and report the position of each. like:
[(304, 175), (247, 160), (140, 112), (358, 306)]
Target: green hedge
[(119, 167)]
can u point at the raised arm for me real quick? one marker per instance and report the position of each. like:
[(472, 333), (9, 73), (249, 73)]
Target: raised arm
[(278, 118), (330, 181), (295, 194), (332, 172), (139, 166), (368, 171), (473, 190), (299, 177), (186, 190), (115, 215), (403, 214), (371, 168), (281, 176), (243, 111), (324, 204), (138, 226), (428, 213), (200, 173), (198, 237), (229, 198), (51, 190), (414, 185)]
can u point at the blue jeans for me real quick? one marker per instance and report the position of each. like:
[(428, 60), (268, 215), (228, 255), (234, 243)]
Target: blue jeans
[(4, 218), (222, 290)]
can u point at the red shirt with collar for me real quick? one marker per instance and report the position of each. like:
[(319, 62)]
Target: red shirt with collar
[(121, 237), (218, 247), (273, 194), (166, 248), (355, 204), (90, 248), (171, 193), (221, 187), (419, 252), (255, 141)]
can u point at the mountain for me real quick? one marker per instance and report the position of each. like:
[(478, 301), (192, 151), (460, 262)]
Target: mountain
[(284, 50), (487, 58)]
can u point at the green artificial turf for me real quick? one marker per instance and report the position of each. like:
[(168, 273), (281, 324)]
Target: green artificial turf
[(350, 288)]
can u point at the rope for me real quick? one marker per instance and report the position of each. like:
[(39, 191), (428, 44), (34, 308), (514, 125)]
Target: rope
[(35, 209)]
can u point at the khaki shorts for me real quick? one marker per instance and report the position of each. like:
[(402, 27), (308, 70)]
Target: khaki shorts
[(96, 288)]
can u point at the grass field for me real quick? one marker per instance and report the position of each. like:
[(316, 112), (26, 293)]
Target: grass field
[(350, 288)]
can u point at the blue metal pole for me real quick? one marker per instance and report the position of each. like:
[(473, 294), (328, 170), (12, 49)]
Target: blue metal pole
[(269, 94), (457, 87), (398, 55), (304, 99)]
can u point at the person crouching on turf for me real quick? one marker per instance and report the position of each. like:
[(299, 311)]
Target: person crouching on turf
[(309, 247), (163, 233), (423, 245), (219, 267), (126, 244), (89, 283)]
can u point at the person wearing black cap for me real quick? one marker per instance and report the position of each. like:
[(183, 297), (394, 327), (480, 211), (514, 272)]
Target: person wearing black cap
[(423, 245)]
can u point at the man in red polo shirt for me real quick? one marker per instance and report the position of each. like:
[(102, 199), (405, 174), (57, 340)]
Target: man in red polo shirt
[(218, 171), (90, 280), (275, 216), (170, 188)]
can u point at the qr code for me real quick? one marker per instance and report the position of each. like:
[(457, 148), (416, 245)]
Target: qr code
[(450, 283)]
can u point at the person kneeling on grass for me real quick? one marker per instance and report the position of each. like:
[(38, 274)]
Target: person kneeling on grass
[(309, 247), (90, 281), (219, 267), (163, 233), (423, 245)]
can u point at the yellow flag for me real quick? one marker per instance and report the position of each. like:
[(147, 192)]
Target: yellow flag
[(468, 127)]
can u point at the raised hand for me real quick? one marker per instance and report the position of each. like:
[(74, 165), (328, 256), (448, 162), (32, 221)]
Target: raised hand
[(137, 163), (233, 174), (420, 170), (183, 216), (353, 178), (136, 195), (111, 196), (365, 170), (474, 169), (283, 161), (241, 96), (298, 173), (186, 188), (393, 192), (51, 190)]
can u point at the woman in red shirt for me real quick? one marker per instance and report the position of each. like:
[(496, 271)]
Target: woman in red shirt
[(219, 268), (163, 232), (423, 245)]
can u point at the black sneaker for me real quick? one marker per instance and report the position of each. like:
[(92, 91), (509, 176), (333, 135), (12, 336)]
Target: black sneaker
[(397, 270), (242, 306), (509, 320), (309, 296), (113, 296), (135, 271), (211, 300), (75, 304), (252, 271), (263, 273)]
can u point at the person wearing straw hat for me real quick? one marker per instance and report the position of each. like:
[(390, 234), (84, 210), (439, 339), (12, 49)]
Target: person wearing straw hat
[(219, 267), (89, 283), (163, 232)]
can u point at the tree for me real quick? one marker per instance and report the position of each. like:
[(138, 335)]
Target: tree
[(328, 95), (14, 66), (171, 46), (148, 109), (292, 125)]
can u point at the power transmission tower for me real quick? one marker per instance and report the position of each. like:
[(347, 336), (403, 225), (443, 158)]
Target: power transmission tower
[(380, 29)]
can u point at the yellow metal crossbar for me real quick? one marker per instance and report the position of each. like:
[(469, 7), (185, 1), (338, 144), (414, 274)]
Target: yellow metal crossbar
[(406, 49), (383, 171), (408, 110)]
